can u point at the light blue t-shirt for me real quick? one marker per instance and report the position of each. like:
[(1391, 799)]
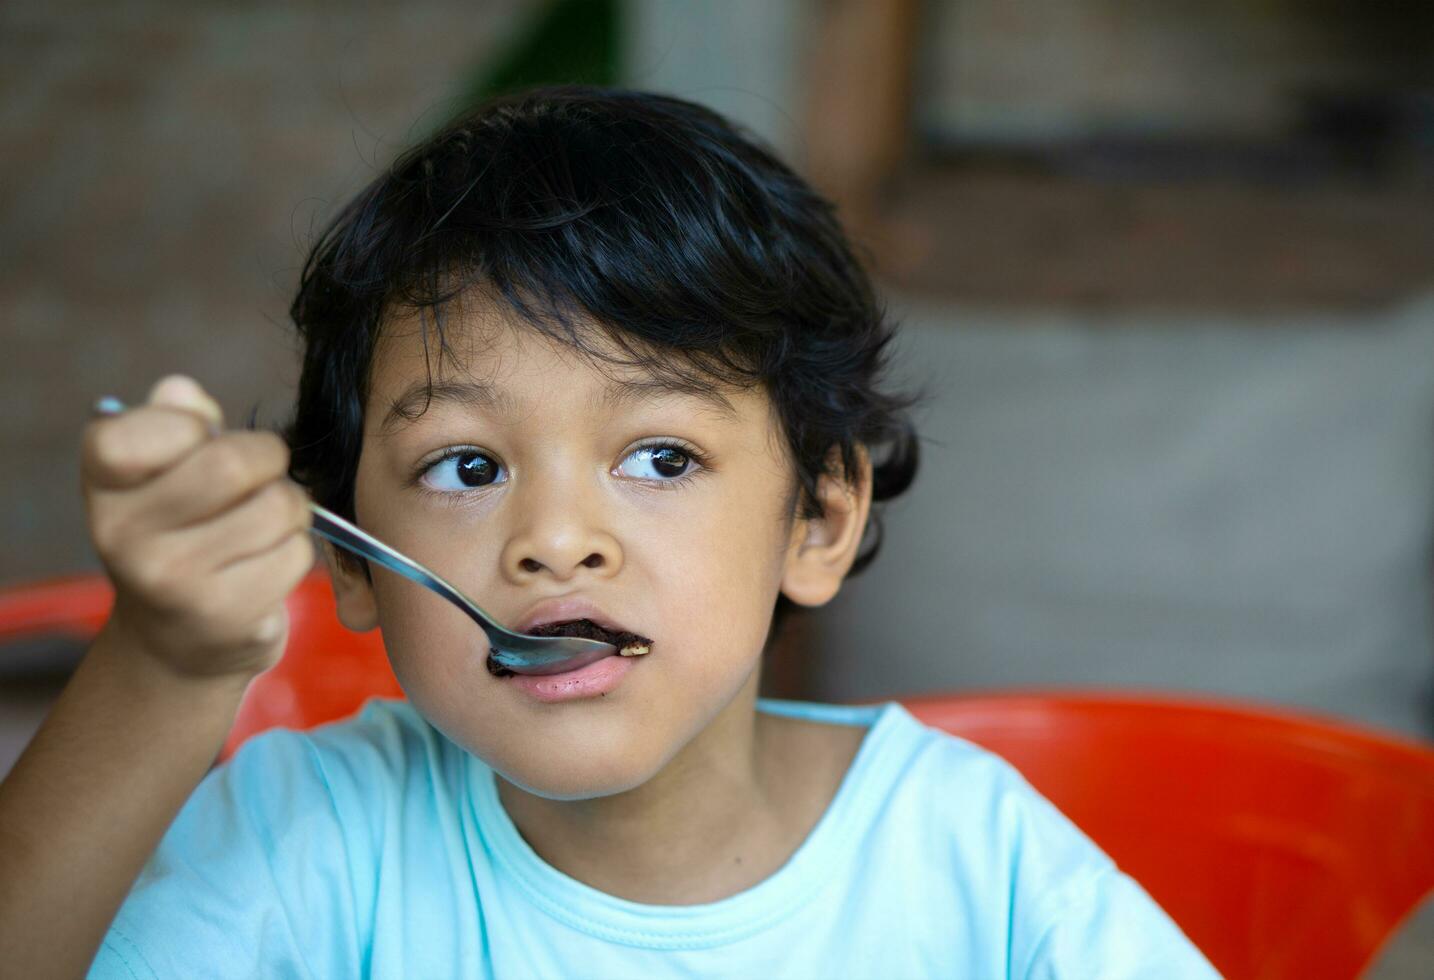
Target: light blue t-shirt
[(376, 847)]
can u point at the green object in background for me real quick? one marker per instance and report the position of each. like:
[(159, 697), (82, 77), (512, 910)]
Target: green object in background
[(568, 42)]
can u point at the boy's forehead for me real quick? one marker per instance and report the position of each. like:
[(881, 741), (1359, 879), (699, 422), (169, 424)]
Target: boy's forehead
[(465, 336), (488, 357)]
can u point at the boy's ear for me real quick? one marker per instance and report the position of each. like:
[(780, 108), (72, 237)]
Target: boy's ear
[(821, 549), (353, 592)]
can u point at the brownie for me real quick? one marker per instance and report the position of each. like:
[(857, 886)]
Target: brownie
[(584, 629)]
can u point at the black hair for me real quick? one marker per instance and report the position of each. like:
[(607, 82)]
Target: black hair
[(694, 250)]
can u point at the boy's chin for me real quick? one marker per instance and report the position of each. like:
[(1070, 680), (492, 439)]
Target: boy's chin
[(587, 775)]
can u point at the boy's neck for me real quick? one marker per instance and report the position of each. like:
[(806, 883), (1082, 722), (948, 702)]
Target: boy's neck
[(722, 816)]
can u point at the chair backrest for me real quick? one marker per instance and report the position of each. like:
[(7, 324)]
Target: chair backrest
[(1284, 846), (327, 672), (74, 607)]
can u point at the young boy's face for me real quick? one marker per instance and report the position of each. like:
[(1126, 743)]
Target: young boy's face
[(550, 489)]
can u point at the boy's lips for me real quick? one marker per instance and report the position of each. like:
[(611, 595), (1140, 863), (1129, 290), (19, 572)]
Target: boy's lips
[(593, 680)]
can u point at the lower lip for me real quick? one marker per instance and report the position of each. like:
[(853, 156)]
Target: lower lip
[(593, 681)]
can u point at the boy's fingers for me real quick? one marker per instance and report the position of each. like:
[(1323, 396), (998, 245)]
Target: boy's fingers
[(257, 583), (179, 391), (128, 449), (123, 451), (265, 518), (213, 478)]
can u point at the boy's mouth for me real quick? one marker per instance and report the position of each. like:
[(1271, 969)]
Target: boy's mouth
[(628, 644)]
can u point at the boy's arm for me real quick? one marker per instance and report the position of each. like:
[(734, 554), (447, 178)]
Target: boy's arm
[(204, 538), (87, 803)]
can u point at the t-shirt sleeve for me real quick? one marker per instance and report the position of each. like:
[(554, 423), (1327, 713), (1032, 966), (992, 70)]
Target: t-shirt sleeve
[(1108, 927), (1076, 914), (251, 879)]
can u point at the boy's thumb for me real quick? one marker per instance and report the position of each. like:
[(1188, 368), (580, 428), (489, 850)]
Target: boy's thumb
[(179, 391)]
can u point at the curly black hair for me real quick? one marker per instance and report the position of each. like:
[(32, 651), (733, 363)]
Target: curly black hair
[(696, 252)]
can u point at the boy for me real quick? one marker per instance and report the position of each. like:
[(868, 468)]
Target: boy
[(600, 361)]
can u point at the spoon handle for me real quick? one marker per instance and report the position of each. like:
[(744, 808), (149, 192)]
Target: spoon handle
[(350, 537)]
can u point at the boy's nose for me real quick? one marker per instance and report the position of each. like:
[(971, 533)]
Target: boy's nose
[(559, 542)]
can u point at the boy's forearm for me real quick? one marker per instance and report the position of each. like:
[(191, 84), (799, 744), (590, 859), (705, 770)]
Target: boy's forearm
[(88, 801)]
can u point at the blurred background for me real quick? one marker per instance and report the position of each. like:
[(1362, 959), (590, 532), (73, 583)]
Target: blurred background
[(1166, 273)]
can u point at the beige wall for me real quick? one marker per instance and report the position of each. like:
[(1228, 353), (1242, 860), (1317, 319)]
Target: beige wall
[(163, 166), (1043, 69)]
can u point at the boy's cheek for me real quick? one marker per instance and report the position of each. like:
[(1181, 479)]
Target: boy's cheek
[(429, 641)]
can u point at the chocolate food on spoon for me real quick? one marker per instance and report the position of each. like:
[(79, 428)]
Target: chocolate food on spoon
[(628, 644)]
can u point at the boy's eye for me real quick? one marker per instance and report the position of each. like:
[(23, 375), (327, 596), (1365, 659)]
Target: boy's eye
[(656, 463), (465, 470)]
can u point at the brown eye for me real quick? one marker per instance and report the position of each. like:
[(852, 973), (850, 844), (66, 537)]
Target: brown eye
[(463, 470), (476, 470), (669, 462), (657, 463)]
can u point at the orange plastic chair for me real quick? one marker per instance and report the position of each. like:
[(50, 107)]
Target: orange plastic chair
[(327, 672), (1284, 846)]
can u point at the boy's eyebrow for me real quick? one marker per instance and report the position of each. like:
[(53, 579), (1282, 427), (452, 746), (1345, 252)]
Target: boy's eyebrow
[(416, 398), (620, 391)]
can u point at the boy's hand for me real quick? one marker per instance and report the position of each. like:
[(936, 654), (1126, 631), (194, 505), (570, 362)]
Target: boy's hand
[(203, 537), (200, 531)]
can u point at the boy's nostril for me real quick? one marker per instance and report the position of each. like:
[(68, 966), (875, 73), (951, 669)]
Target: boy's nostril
[(533, 566)]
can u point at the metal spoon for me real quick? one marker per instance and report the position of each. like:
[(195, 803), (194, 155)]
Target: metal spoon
[(517, 652)]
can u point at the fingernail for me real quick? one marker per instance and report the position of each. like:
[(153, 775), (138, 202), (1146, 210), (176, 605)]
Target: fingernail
[(176, 389), (181, 391), (108, 405)]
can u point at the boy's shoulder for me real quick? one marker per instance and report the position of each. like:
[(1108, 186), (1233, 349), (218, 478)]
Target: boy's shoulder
[(905, 755), (388, 732), (962, 802), (967, 832), (275, 858), (956, 805), (386, 749), (387, 728), (976, 801)]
